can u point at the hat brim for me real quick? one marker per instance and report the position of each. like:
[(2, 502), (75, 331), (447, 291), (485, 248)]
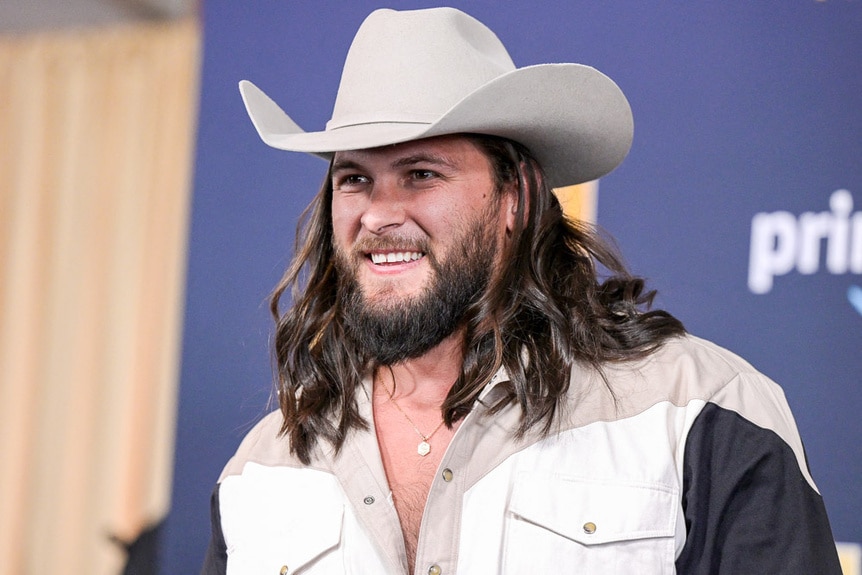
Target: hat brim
[(574, 119)]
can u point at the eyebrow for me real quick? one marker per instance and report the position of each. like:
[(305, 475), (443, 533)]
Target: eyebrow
[(433, 159), (406, 161), (338, 165)]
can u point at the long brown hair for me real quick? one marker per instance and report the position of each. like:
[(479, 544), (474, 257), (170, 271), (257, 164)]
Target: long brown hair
[(545, 309)]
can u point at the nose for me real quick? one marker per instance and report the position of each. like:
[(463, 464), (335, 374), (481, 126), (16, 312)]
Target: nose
[(385, 209)]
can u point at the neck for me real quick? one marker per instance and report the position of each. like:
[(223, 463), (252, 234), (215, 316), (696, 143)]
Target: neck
[(425, 381)]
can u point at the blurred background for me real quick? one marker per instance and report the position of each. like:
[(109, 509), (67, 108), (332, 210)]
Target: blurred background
[(143, 224)]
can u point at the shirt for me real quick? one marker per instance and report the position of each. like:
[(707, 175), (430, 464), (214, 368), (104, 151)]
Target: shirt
[(686, 461)]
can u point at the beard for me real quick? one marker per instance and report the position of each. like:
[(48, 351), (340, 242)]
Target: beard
[(389, 332)]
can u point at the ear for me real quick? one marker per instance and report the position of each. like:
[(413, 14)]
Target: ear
[(512, 196), (510, 205)]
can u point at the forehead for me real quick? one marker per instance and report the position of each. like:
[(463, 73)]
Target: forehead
[(456, 151)]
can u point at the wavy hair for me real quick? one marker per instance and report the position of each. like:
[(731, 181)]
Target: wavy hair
[(546, 308)]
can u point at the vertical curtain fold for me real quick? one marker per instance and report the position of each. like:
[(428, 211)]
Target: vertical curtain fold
[(96, 138)]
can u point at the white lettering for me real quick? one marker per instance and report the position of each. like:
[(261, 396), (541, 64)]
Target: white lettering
[(856, 246), (780, 242), (838, 248), (773, 249), (812, 228)]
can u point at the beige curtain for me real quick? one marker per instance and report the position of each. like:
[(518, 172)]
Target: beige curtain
[(96, 137)]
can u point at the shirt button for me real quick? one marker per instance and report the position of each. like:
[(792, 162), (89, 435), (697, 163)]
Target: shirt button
[(434, 570), (447, 475), (283, 570), (589, 527), (368, 500)]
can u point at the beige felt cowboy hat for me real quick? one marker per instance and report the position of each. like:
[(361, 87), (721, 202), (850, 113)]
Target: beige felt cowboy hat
[(422, 73)]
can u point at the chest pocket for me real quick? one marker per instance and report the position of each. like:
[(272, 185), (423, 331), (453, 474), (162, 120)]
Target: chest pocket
[(282, 521), (561, 524), (304, 548)]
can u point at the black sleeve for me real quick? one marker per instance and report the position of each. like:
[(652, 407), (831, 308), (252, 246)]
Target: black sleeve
[(215, 562), (747, 505)]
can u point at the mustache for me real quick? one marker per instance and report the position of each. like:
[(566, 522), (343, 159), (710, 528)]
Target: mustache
[(347, 260), (389, 243)]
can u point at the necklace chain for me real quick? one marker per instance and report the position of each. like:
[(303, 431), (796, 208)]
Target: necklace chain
[(424, 448)]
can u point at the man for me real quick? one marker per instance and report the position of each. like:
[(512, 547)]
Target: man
[(460, 392)]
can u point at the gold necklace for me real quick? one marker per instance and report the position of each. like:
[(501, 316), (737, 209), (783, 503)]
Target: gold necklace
[(424, 448)]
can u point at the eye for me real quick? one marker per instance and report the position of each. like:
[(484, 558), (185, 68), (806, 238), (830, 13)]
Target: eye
[(349, 181), (423, 174)]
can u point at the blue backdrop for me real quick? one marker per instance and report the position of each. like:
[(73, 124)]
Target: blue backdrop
[(741, 108)]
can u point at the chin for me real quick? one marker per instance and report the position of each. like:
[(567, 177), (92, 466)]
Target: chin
[(389, 288)]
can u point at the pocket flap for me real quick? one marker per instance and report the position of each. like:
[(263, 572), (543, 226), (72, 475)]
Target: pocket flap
[(591, 511)]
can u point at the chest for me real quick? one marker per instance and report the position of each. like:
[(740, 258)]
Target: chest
[(501, 511), (411, 445), (411, 449)]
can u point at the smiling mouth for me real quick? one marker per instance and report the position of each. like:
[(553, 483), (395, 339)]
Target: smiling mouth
[(378, 258)]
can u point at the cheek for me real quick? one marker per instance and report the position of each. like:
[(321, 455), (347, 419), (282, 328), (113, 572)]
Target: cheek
[(443, 214), (345, 223)]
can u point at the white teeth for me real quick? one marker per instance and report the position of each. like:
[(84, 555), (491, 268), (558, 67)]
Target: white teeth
[(395, 257)]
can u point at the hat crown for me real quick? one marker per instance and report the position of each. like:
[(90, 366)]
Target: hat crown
[(413, 66)]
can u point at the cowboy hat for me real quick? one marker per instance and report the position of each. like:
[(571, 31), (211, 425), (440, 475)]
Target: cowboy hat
[(423, 73)]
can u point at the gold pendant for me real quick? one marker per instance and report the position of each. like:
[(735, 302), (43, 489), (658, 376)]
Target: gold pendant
[(423, 449)]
